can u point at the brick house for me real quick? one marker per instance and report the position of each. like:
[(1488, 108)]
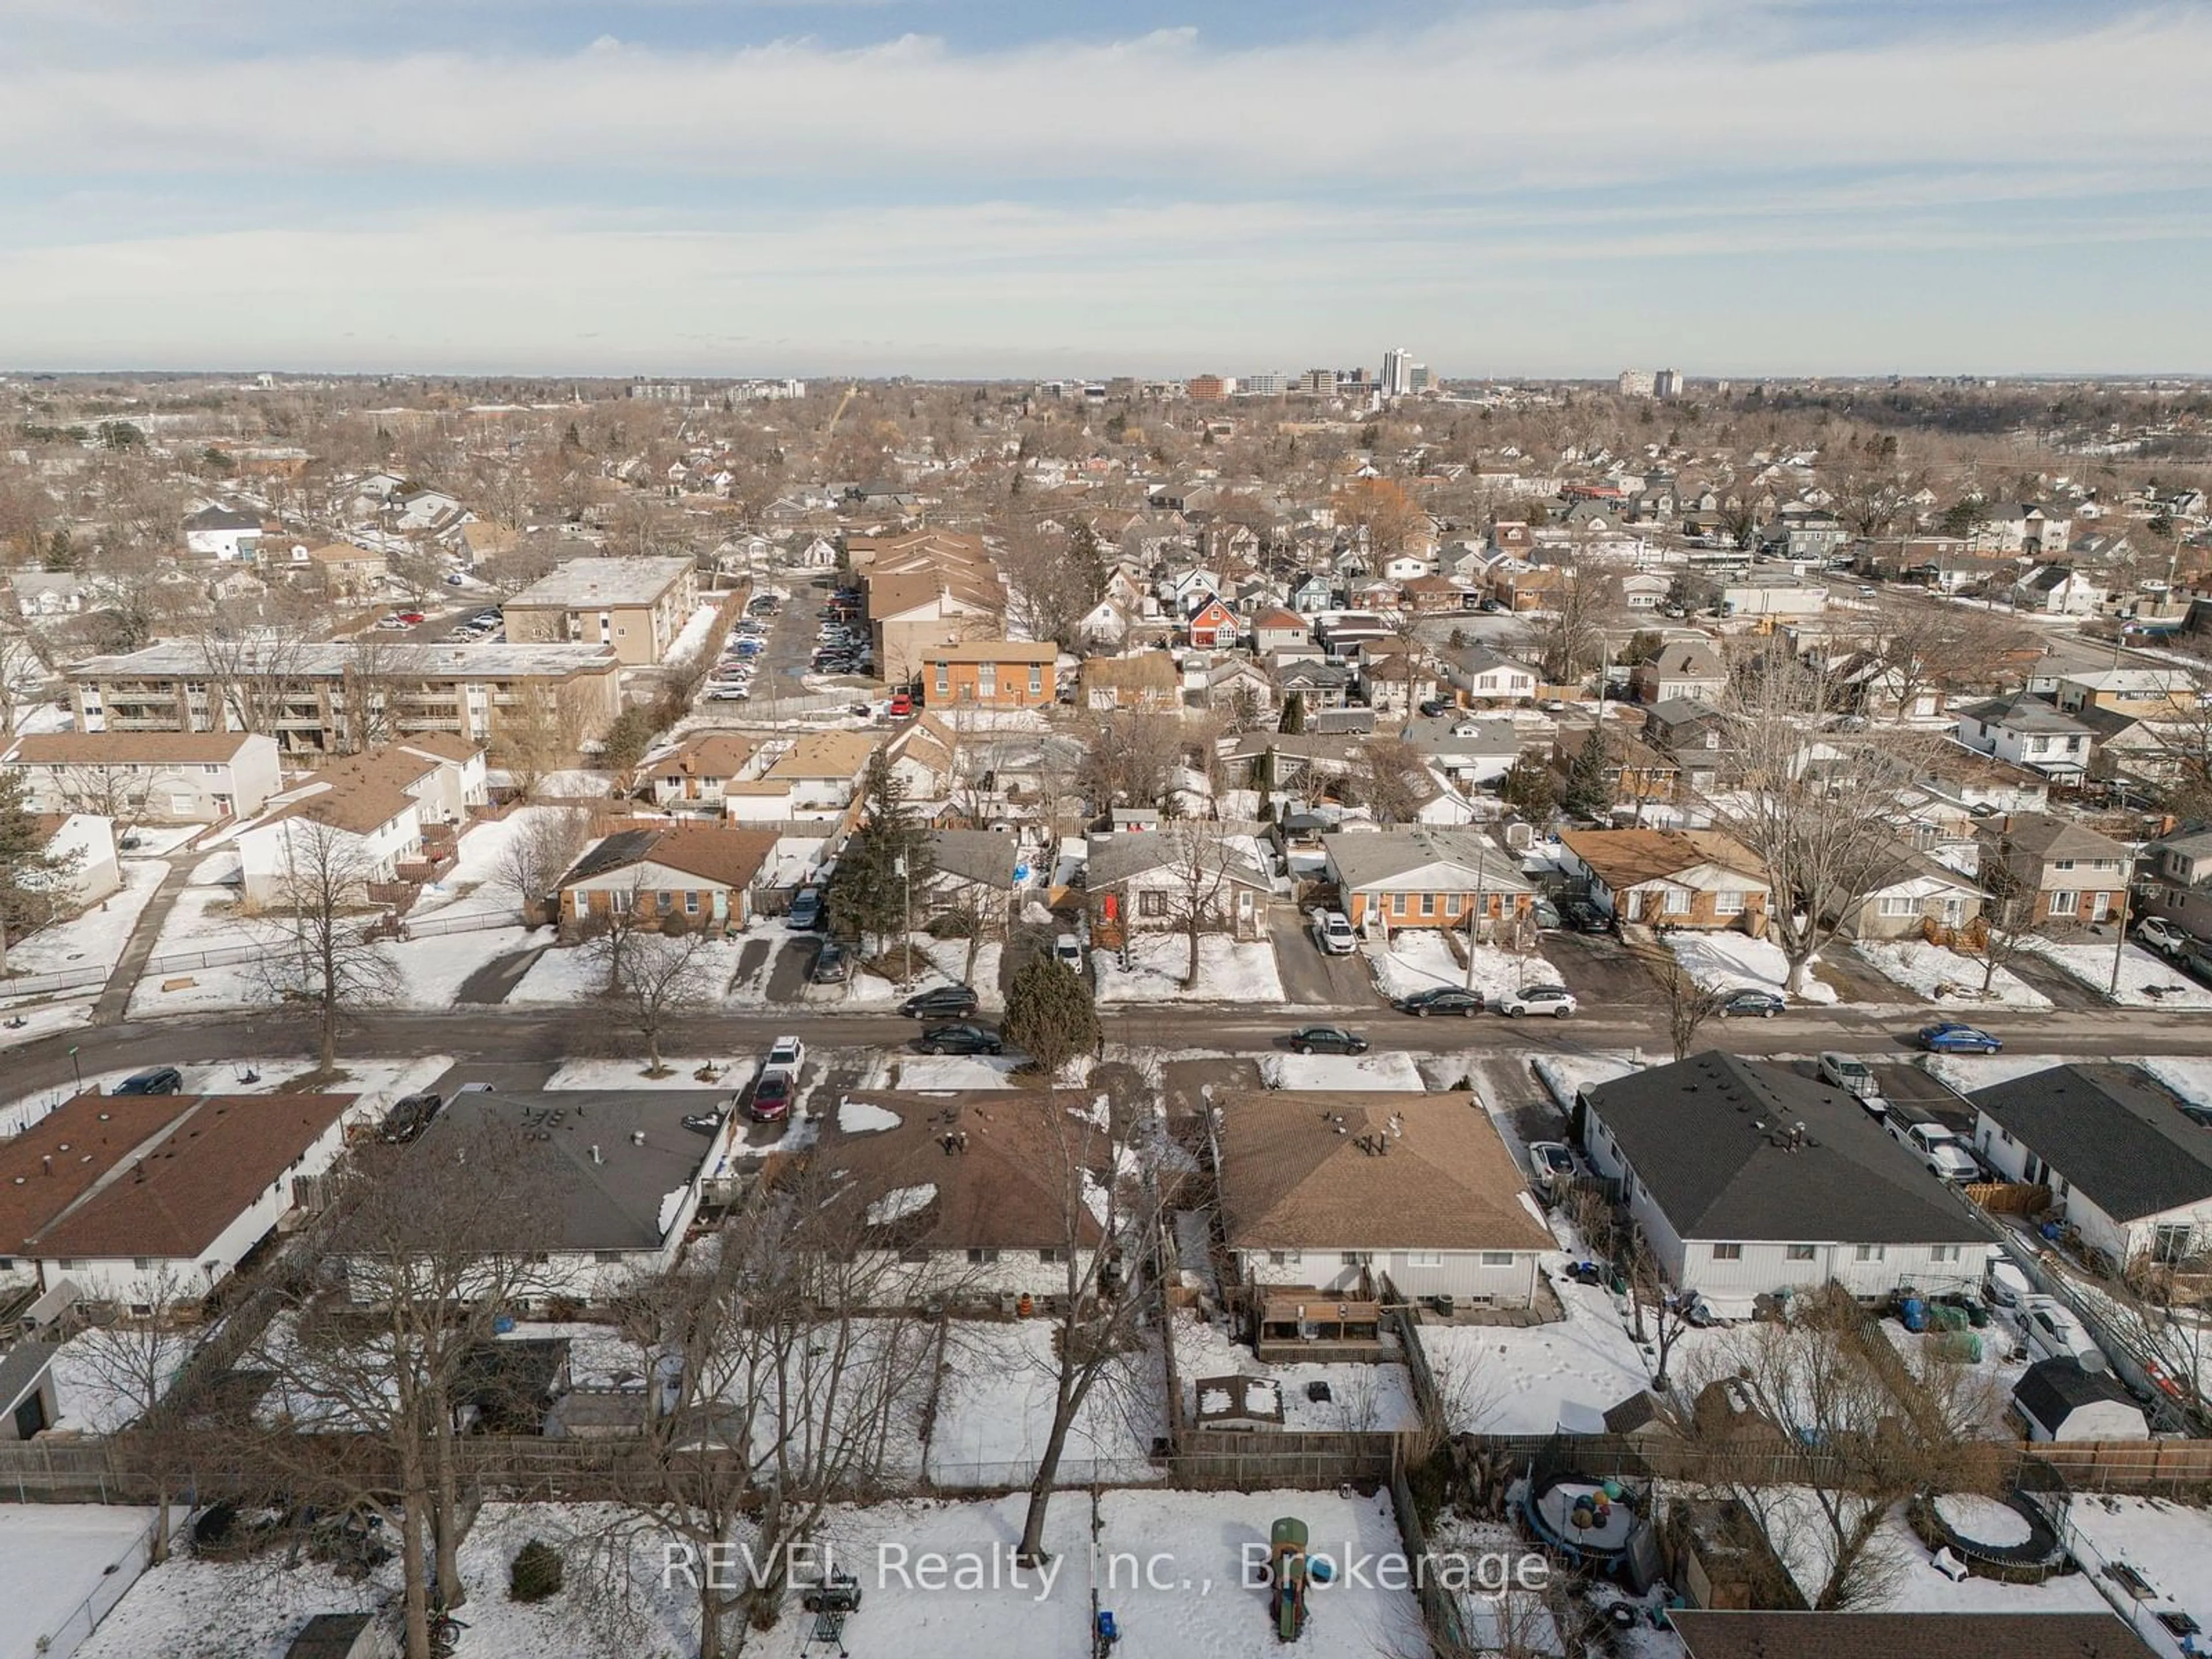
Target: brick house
[(703, 873), (1424, 878), (989, 673)]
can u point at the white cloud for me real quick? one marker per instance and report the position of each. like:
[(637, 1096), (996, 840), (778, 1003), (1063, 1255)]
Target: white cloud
[(1615, 94)]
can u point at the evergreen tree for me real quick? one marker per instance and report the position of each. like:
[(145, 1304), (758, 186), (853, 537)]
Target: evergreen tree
[(1294, 712), (30, 873), (868, 894), (1588, 795), (1051, 1015), (1527, 788)]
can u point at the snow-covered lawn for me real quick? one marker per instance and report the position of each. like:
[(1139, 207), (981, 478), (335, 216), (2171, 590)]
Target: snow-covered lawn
[(2166, 1542), (1355, 1071), (2090, 962), (94, 939), (1563, 1075), (1946, 977), (954, 1071), (1907, 1574), (1967, 1073), (617, 1074), (2190, 1078), (475, 872), (97, 1385), (44, 1019), (1420, 959), (188, 1608), (1360, 1397), (994, 1412), (1228, 971), (1200, 1605), (1730, 961), (52, 1557)]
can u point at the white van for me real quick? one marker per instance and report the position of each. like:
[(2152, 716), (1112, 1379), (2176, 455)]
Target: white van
[(1068, 949)]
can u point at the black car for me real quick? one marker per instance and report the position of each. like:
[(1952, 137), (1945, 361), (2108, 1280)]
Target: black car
[(1433, 707), (939, 1002), (160, 1080), (1441, 999), (959, 1040), (831, 963), (408, 1118), (1585, 917), (1327, 1040), (1764, 1005)]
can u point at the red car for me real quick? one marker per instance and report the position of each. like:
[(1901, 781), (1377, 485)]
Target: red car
[(902, 704), (411, 617)]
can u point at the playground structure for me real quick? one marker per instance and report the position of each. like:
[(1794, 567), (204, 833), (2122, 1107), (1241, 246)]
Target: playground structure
[(1290, 1571)]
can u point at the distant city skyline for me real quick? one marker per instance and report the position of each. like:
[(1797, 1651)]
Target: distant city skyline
[(969, 188)]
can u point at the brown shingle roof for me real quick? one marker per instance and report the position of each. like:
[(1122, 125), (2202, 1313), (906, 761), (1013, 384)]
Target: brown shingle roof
[(1007, 1188), (362, 793), (224, 1151), (707, 755), (130, 748), (715, 852), (85, 1138), (1629, 858), (1296, 1174)]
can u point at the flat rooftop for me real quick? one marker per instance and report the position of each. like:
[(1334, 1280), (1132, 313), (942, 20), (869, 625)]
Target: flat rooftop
[(585, 584), (330, 660)]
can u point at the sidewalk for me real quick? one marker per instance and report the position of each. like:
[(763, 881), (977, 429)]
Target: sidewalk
[(115, 996)]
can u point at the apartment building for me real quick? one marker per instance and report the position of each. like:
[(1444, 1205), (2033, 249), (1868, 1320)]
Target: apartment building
[(637, 607), (990, 673), (332, 699)]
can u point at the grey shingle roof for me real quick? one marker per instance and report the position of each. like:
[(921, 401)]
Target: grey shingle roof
[(2116, 1142), (2051, 1390), (1363, 857), (1706, 1137)]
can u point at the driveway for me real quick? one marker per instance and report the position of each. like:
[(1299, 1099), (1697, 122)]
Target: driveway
[(786, 981), (1311, 979), (1600, 971)]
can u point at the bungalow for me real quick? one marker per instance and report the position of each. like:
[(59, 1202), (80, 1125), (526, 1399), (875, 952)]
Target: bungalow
[(2124, 1167), (1683, 877), (1432, 596), (1150, 884), (2059, 590), (222, 533), (963, 1194), (813, 780), (1911, 892), (128, 1195), (1394, 682), (1326, 1195), (1747, 1179), (1467, 752), (702, 873), (1315, 684), (1146, 680), (1423, 878), (625, 1170), (1488, 675)]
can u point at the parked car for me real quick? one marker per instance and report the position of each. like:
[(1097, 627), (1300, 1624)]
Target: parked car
[(771, 1097), (1441, 999), (2003, 1284), (1545, 913), (1067, 950), (2051, 1332), (1551, 1166), (786, 1053), (2157, 933), (1553, 1000), (1326, 1040), (1950, 1037), (902, 704), (959, 1040), (408, 1117), (939, 1002), (159, 1080), (805, 910), (1850, 1074), (1751, 1001), (1333, 933), (1433, 707), (1585, 917), (832, 964)]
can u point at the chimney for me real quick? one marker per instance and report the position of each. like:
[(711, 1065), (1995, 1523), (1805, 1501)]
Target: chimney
[(46, 1165), (596, 1158)]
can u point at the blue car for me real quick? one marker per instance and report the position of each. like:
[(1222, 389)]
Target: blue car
[(1952, 1038)]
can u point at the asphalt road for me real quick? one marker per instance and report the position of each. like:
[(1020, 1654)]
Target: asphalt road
[(522, 1036)]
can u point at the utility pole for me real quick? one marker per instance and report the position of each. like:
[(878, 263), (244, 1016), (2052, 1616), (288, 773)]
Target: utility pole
[(906, 874), (2120, 938)]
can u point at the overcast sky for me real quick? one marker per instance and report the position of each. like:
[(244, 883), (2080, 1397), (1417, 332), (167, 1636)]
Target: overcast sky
[(1150, 186)]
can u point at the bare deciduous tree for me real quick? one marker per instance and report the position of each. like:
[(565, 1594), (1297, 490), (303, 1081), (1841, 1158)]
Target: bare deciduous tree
[(320, 950), (655, 977), (538, 853)]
